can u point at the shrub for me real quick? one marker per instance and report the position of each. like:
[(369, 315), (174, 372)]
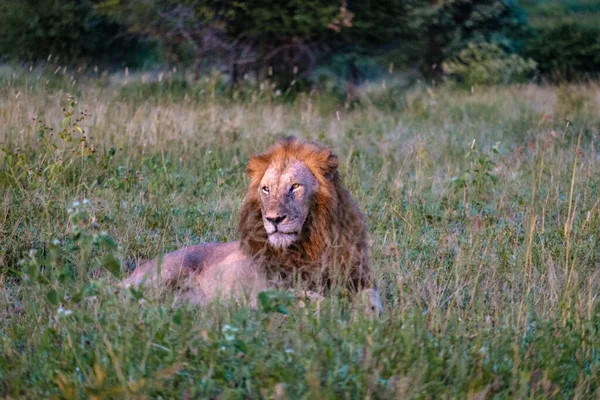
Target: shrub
[(450, 26), (487, 64), (69, 30), (566, 50)]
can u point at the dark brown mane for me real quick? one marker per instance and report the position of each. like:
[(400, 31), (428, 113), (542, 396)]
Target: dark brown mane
[(333, 244)]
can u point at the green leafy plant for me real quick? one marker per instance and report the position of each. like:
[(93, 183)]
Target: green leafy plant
[(487, 64), (566, 49), (276, 301), (478, 179), (83, 252), (62, 31)]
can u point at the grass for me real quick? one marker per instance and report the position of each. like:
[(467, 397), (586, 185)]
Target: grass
[(483, 212)]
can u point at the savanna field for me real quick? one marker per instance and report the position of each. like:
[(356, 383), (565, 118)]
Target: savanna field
[(483, 210)]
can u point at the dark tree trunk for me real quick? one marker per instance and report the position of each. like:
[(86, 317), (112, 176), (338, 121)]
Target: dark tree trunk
[(197, 62), (352, 94), (259, 68), (235, 79), (234, 68)]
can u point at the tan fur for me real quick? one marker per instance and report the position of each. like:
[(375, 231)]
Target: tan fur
[(203, 273), (330, 246)]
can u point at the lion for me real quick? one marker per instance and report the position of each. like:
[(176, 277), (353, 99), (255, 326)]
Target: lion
[(298, 224)]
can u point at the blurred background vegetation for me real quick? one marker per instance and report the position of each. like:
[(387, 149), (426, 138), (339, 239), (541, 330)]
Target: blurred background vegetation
[(300, 44), (126, 126)]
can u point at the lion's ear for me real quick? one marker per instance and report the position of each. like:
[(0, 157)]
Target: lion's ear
[(332, 163), (322, 162), (257, 166)]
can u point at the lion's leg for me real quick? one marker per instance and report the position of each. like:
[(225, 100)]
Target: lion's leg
[(362, 280)]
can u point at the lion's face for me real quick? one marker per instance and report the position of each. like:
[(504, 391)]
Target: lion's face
[(297, 217), (286, 194)]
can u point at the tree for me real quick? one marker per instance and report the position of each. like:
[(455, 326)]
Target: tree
[(284, 36), (451, 25), (258, 34), (66, 29), (377, 27)]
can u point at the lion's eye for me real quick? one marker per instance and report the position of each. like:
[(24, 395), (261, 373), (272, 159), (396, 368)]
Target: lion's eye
[(265, 189), (295, 186)]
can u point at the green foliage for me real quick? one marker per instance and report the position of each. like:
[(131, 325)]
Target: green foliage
[(551, 12), (63, 269), (487, 64), (452, 25), (284, 43), (90, 249), (478, 180), (566, 50), (276, 301), (376, 23), (567, 38), (272, 21), (68, 31), (273, 39)]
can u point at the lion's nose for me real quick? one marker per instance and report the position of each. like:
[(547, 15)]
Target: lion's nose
[(276, 219)]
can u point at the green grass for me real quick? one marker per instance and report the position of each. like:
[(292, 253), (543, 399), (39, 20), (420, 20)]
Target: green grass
[(482, 208)]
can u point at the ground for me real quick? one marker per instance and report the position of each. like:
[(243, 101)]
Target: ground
[(483, 213)]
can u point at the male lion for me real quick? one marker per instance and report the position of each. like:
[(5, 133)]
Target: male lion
[(297, 221)]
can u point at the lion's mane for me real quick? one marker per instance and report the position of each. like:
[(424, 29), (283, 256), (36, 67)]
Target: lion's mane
[(333, 244)]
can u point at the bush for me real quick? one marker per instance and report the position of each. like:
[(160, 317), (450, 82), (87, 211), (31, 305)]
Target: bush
[(566, 50), (69, 30), (487, 64), (451, 26)]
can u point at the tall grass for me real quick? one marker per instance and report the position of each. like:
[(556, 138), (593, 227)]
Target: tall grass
[(484, 219)]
